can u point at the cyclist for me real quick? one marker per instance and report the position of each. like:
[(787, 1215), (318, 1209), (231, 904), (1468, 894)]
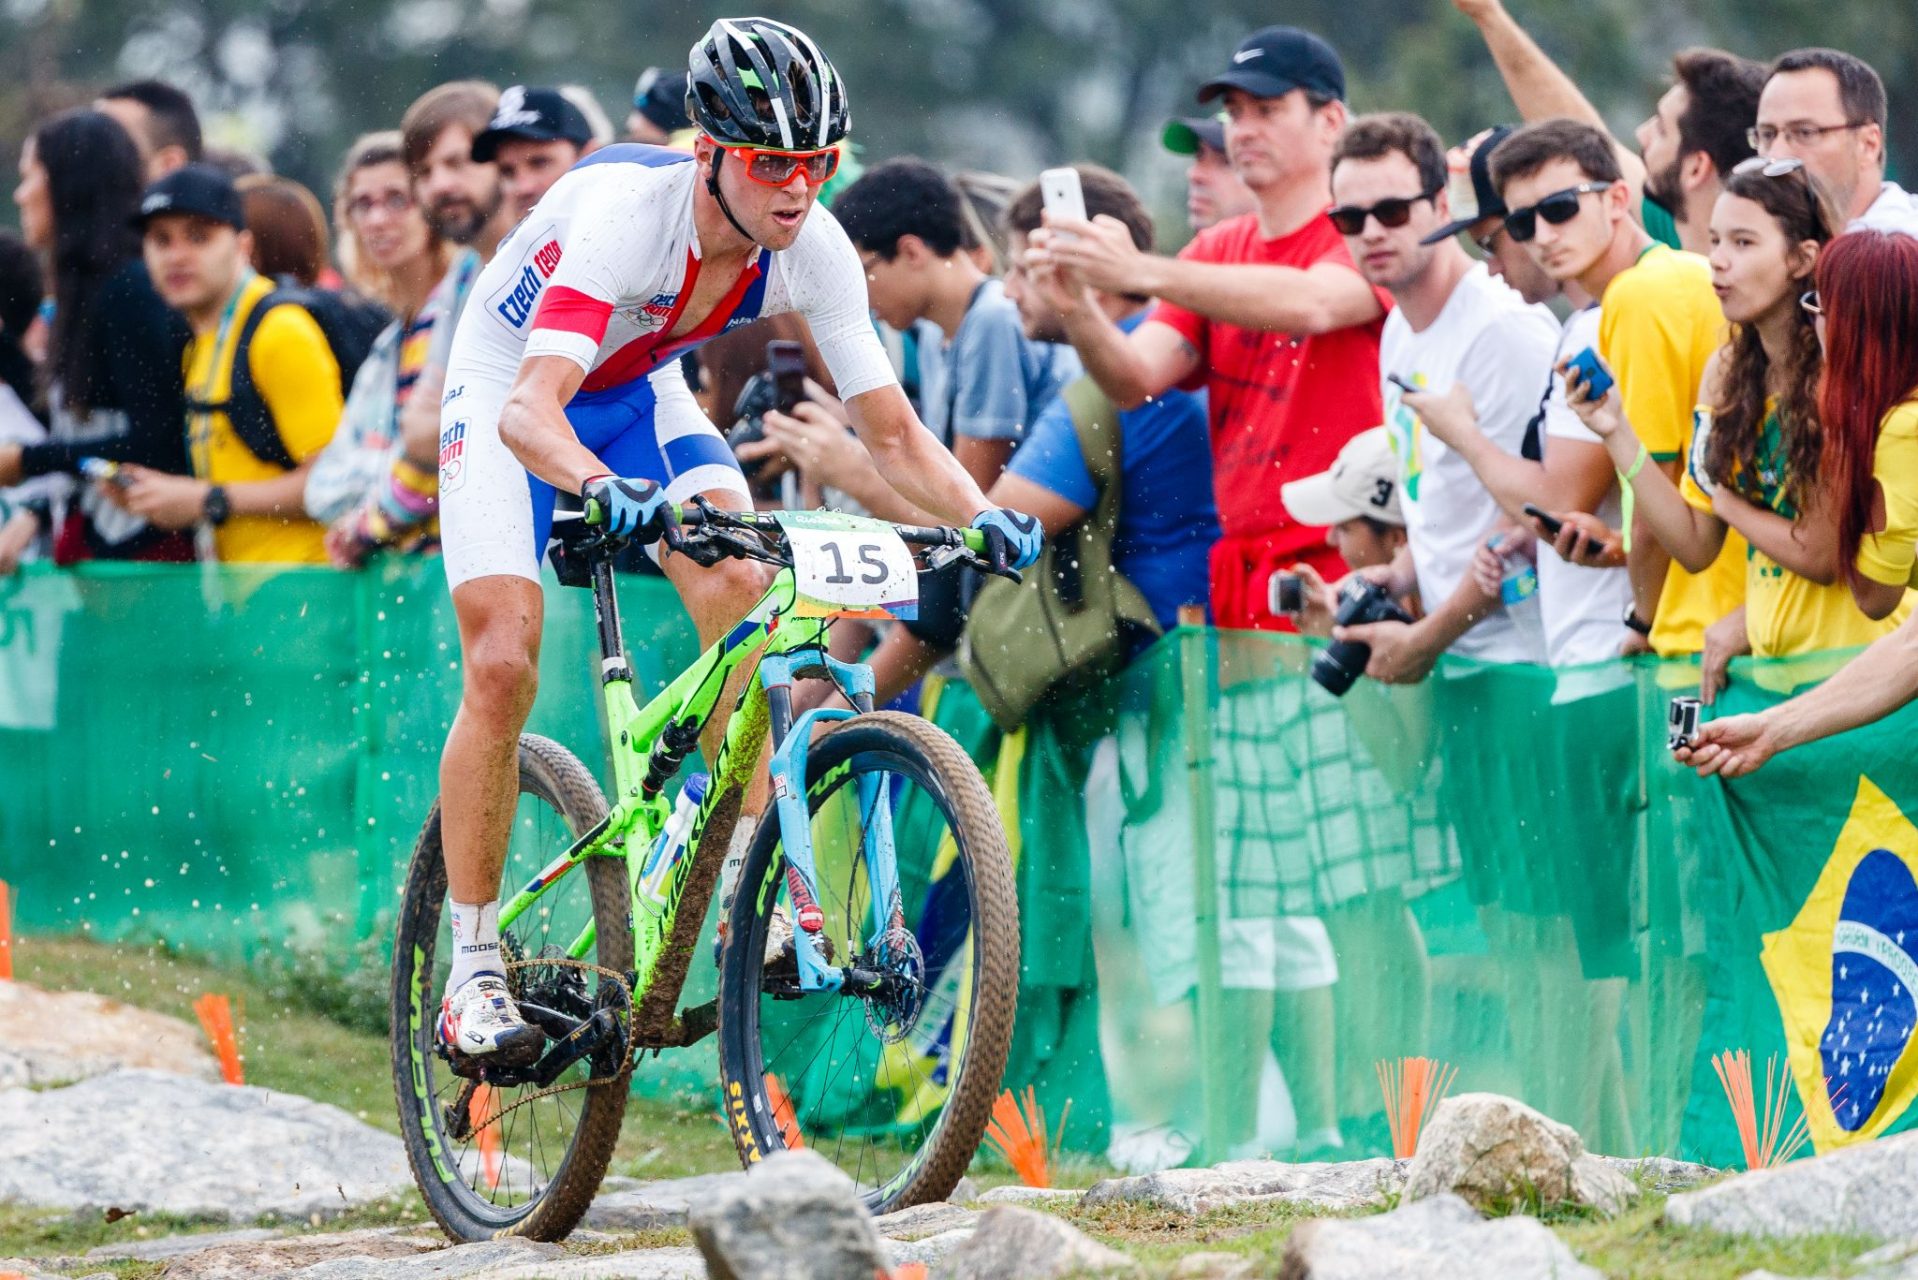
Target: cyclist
[(564, 375)]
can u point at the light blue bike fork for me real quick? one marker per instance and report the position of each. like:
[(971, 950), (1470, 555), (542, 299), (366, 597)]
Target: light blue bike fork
[(791, 741)]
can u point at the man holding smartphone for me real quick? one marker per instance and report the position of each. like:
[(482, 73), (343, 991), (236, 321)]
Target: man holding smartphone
[(1265, 311)]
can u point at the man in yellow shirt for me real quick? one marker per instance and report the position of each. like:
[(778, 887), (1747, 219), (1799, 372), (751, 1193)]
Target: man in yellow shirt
[(263, 386), (1659, 323)]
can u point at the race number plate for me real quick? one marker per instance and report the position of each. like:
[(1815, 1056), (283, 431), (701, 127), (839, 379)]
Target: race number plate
[(850, 567)]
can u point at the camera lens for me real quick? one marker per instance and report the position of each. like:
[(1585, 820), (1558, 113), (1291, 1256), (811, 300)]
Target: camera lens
[(1338, 666)]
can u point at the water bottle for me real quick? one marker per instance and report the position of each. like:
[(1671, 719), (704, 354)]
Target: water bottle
[(650, 888), (1520, 580)]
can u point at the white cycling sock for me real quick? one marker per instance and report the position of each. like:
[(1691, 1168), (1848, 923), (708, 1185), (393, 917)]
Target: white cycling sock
[(475, 942)]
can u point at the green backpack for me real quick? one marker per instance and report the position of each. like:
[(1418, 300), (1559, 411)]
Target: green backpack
[(1063, 628)]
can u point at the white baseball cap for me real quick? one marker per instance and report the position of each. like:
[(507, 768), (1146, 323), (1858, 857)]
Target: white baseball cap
[(1364, 481)]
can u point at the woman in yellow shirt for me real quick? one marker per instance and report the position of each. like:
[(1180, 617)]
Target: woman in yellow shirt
[(1757, 442), (1867, 302)]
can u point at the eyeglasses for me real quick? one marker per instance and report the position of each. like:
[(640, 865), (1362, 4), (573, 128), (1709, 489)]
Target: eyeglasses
[(1770, 168), (1809, 301), (1763, 137), (779, 168), (1558, 209), (392, 202), (1349, 219)]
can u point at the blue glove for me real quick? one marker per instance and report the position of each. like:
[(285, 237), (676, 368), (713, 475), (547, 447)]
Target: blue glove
[(1017, 536), (630, 508)]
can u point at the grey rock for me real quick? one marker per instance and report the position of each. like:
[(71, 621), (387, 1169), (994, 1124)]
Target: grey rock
[(1898, 1253), (794, 1217), (230, 1258), (231, 1153), (1012, 1243), (1349, 1184), (965, 1193), (929, 1250), (648, 1206), (1030, 1195), (1214, 1266), (1438, 1238), (637, 1264), (924, 1220), (461, 1261), (59, 1037), (180, 1246), (1660, 1173), (1495, 1151), (1870, 1189), (26, 1269)]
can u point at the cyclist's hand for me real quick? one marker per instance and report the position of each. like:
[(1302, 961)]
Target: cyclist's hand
[(1013, 538), (631, 507)]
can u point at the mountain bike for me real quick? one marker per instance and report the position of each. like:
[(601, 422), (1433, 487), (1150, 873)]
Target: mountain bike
[(878, 1036)]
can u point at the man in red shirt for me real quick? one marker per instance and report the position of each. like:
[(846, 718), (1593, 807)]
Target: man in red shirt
[(1265, 311)]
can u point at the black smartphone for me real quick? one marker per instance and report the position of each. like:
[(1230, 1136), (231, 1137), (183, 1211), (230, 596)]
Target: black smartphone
[(786, 362), (1551, 523), (1402, 384)]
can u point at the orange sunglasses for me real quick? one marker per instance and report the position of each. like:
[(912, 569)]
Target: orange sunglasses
[(779, 168)]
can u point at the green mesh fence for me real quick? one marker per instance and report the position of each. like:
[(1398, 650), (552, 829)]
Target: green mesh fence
[(1238, 893)]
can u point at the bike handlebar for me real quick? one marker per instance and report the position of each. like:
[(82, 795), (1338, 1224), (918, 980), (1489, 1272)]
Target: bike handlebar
[(691, 516)]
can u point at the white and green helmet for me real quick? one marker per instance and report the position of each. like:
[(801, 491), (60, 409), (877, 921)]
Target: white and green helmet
[(758, 83)]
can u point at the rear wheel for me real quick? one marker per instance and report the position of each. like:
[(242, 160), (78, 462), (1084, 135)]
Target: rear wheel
[(493, 1159), (893, 1085)]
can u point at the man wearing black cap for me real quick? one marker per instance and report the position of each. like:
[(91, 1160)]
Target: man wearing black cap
[(1265, 310), (535, 135), (1213, 192), (1478, 211), (263, 386), (659, 107)]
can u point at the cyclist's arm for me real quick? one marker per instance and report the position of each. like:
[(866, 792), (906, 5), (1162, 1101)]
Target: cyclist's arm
[(532, 423), (911, 457)]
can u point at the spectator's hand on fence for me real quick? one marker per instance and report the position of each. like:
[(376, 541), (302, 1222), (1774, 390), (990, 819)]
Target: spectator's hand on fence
[(1321, 602), (1731, 747), (420, 417), (1724, 640), (820, 445), (16, 535), (1448, 415), (1584, 539), (162, 500), (1099, 252)]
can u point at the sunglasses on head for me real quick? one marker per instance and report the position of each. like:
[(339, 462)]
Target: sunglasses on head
[(1770, 168), (1558, 209), (779, 168), (1349, 219)]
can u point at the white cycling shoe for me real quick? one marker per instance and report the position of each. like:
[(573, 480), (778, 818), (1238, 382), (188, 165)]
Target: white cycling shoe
[(480, 1020)]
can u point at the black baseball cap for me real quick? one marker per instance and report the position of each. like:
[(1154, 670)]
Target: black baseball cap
[(660, 96), (537, 115), (1273, 61), (1183, 134), (1473, 195), (199, 190)]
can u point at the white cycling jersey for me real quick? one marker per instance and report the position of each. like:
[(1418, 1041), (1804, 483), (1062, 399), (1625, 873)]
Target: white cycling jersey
[(599, 274)]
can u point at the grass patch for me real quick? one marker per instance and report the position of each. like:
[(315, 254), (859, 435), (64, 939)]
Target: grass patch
[(1636, 1245), (46, 1233)]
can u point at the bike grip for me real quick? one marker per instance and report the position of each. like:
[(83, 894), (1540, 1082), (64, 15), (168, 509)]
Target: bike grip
[(594, 513), (975, 540)]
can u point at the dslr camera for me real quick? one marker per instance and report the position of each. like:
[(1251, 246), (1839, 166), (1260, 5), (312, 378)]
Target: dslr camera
[(781, 385), (1342, 662)]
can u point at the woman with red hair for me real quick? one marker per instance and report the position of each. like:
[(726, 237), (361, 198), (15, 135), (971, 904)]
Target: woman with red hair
[(1867, 309)]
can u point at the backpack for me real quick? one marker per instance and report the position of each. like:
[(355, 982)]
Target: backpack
[(349, 323), (1063, 628)]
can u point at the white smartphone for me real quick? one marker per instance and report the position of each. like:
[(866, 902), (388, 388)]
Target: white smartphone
[(1062, 194)]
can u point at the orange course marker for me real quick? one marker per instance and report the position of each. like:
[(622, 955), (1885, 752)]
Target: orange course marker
[(1017, 1131), (1413, 1089), (785, 1114), (6, 936), (216, 1016), (483, 1111)]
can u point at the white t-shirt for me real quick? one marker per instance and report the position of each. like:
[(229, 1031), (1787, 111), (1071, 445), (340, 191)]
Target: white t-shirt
[(1490, 339), (1583, 608), (1895, 209)]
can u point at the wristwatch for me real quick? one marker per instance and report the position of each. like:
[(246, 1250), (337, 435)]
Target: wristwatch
[(1634, 622), (215, 509)]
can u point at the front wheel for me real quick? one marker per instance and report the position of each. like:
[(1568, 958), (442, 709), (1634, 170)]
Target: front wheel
[(894, 1085), (512, 1158)]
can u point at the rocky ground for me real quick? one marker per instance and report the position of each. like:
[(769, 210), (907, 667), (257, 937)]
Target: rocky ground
[(97, 1180)]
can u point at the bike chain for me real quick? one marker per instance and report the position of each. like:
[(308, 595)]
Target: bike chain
[(632, 1040)]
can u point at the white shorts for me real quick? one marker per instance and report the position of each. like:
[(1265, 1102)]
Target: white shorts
[(495, 515)]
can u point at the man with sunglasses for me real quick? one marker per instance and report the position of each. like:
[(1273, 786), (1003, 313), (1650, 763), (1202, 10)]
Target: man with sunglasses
[(1828, 109), (1454, 325), (565, 375), (1265, 311), (1659, 323)]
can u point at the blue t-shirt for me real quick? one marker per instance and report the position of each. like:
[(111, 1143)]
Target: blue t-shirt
[(1168, 520), (995, 379)]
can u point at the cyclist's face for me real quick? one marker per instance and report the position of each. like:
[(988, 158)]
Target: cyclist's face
[(195, 262), (528, 168), (772, 216), (458, 194)]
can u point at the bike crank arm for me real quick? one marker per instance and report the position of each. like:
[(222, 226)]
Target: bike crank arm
[(585, 1040)]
